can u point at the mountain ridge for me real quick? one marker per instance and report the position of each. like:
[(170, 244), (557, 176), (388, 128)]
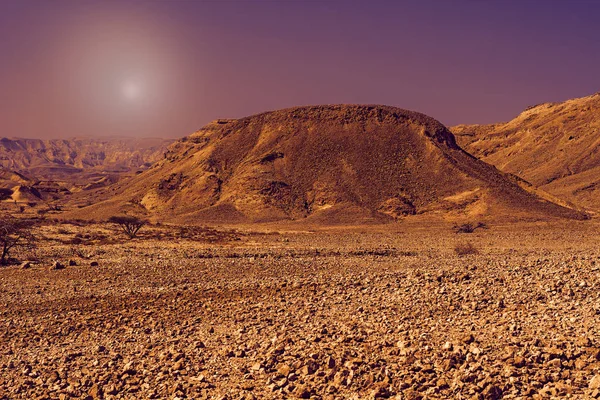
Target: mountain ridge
[(329, 163), (555, 146)]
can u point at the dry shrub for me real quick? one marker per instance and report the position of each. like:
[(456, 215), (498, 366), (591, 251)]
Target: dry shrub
[(465, 248), (195, 233), (63, 231), (469, 227), (91, 238)]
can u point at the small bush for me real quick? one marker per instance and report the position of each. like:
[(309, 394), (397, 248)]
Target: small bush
[(128, 224), (469, 227), (466, 248)]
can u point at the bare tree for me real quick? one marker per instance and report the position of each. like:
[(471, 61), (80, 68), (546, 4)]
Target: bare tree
[(128, 224), (13, 233)]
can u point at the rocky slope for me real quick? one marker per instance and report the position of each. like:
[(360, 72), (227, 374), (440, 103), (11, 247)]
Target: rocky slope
[(555, 146), (341, 163)]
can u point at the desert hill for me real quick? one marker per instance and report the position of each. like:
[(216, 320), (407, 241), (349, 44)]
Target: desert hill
[(339, 163), (9, 179), (555, 146)]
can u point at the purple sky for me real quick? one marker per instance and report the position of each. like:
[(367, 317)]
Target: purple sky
[(165, 68)]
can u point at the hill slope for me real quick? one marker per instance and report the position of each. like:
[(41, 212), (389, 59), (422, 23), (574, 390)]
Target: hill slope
[(330, 164), (555, 146)]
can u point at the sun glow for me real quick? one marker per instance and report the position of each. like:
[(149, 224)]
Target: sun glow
[(131, 90)]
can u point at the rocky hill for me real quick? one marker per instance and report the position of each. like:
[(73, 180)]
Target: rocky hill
[(326, 164), (555, 146)]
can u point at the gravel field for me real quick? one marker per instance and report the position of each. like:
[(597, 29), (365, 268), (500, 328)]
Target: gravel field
[(338, 314)]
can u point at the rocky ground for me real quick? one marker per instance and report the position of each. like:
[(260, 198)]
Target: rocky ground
[(322, 315)]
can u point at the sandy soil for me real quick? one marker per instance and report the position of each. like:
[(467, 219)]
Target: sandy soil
[(388, 312)]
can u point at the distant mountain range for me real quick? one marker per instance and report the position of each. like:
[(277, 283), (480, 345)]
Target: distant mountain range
[(331, 164), (46, 158), (47, 170)]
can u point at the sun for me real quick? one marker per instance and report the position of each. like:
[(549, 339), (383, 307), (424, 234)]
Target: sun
[(131, 90)]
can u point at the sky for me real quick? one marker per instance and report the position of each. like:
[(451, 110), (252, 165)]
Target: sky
[(147, 68)]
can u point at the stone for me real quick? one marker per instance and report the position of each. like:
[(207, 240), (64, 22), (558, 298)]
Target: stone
[(302, 392), (284, 369), (595, 382), (25, 265), (309, 368), (518, 361), (555, 363), (380, 392), (468, 339), (96, 391), (492, 392), (330, 362), (178, 366), (256, 366), (57, 265)]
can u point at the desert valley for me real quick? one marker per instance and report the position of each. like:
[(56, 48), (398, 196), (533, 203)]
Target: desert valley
[(244, 200), (315, 252)]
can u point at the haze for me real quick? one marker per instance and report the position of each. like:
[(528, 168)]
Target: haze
[(133, 68)]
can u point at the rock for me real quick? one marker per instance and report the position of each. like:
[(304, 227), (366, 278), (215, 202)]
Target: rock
[(178, 366), (492, 392), (112, 390), (72, 263), (518, 361), (284, 369), (595, 382), (54, 377), (330, 362), (555, 363), (380, 392), (302, 392), (96, 391), (128, 369), (25, 265), (468, 339), (256, 366), (57, 265), (94, 264), (309, 368)]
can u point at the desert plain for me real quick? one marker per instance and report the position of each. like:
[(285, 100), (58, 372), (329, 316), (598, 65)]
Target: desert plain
[(288, 311), (325, 200)]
